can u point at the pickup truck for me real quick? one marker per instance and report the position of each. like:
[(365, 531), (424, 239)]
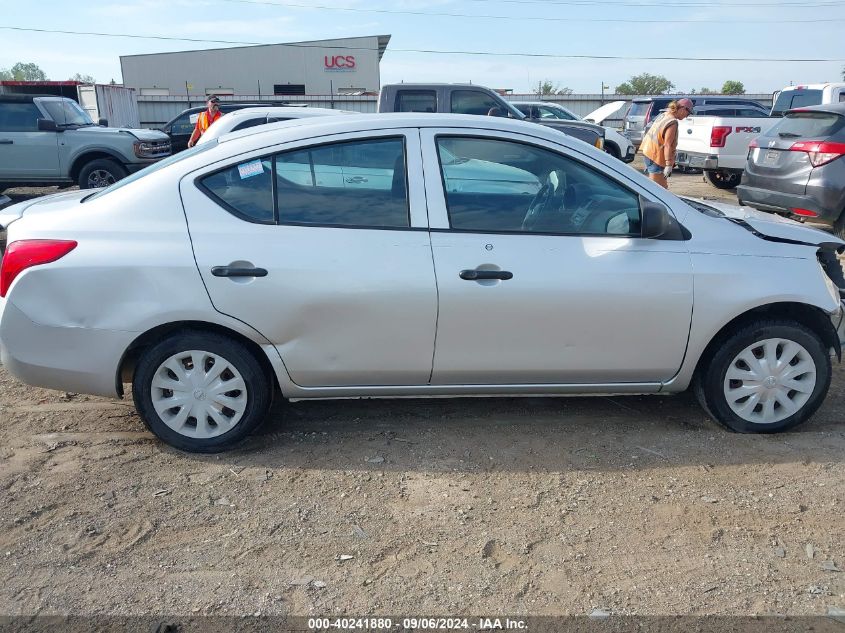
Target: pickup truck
[(46, 140), (472, 99), (719, 145)]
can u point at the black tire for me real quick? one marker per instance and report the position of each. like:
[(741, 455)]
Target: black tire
[(709, 382), (611, 149), (258, 390), (100, 173), (724, 179)]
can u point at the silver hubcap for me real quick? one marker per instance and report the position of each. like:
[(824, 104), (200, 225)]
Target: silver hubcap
[(770, 380), (199, 394), (100, 178)]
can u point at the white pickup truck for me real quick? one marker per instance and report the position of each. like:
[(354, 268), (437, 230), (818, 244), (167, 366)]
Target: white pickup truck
[(719, 144)]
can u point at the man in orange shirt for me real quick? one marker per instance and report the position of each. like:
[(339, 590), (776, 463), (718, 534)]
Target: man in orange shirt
[(205, 119), (661, 142)]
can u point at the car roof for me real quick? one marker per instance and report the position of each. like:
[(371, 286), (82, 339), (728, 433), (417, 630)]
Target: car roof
[(312, 127), (833, 108)]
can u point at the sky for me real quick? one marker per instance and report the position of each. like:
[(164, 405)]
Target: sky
[(793, 29)]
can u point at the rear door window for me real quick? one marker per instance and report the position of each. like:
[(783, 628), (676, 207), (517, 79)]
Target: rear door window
[(182, 125), (789, 99), (416, 101)]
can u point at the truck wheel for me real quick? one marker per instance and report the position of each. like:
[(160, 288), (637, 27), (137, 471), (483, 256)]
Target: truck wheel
[(101, 172), (724, 179)]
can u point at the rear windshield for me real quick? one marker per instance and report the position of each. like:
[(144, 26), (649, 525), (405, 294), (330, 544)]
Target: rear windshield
[(789, 99), (639, 108), (807, 124)]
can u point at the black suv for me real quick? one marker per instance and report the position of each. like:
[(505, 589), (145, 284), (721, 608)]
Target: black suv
[(180, 127), (644, 110)]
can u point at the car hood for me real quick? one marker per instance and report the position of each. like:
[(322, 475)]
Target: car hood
[(774, 227), (42, 204), (605, 112)]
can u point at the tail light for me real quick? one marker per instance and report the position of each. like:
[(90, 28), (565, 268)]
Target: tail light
[(28, 253), (648, 114), (753, 144), (805, 213), (718, 135), (820, 152)]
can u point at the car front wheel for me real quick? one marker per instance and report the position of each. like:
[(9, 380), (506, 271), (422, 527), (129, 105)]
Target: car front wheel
[(101, 172), (200, 392), (767, 377)]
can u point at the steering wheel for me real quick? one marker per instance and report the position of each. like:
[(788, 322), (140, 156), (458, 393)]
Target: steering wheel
[(540, 205)]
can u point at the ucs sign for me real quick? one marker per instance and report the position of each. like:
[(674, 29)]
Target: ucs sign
[(339, 62)]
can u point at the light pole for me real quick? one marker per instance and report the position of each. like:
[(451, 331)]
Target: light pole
[(603, 88)]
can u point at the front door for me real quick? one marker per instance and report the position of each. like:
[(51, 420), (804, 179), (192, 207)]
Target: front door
[(337, 275), (542, 276), (25, 152)]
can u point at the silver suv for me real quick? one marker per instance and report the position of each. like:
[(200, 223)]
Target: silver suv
[(52, 141)]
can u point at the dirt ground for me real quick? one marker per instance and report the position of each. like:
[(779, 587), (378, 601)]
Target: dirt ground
[(635, 505)]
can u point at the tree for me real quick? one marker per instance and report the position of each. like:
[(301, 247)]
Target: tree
[(707, 91), (5, 74), (645, 84), (86, 79), (547, 87), (732, 87), (27, 72)]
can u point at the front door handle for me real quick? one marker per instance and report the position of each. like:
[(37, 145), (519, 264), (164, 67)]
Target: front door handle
[(477, 275), (230, 271), (6, 141)]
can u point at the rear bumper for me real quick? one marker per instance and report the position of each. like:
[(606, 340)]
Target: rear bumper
[(783, 203), (76, 359), (697, 160)]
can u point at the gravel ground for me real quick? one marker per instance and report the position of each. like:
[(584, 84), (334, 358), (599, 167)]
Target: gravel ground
[(636, 505)]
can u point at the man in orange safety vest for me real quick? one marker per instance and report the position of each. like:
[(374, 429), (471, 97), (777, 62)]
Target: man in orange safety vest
[(205, 119)]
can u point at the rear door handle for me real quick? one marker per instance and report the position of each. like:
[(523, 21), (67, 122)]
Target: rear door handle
[(6, 141), (229, 271), (477, 275)]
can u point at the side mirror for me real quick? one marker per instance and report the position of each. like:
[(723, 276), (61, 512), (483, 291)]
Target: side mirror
[(47, 125), (655, 219), (103, 122)]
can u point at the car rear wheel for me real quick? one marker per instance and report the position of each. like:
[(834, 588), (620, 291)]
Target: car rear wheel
[(201, 392), (101, 172), (724, 179), (767, 377)]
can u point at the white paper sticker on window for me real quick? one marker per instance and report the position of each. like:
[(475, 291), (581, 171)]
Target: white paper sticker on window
[(248, 170)]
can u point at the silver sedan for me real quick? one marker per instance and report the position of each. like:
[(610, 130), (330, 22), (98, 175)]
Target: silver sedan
[(408, 255)]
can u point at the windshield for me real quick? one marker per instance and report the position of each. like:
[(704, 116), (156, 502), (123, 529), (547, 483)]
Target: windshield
[(170, 160), (66, 112), (639, 108), (789, 99)]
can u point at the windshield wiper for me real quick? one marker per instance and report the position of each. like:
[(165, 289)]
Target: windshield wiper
[(788, 135)]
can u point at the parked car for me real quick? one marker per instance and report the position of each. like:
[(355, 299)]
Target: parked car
[(46, 140), (252, 117), (802, 96), (472, 99), (180, 127), (213, 280), (615, 144), (797, 168), (645, 109)]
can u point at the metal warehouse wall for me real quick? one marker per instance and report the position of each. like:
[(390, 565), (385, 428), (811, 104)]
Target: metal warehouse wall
[(248, 70), (156, 111)]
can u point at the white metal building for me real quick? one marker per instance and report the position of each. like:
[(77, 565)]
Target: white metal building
[(323, 67)]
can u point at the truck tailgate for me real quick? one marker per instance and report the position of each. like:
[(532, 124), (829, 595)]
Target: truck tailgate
[(725, 138)]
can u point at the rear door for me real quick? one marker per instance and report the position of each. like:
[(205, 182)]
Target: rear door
[(781, 160), (339, 279), (25, 152)]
